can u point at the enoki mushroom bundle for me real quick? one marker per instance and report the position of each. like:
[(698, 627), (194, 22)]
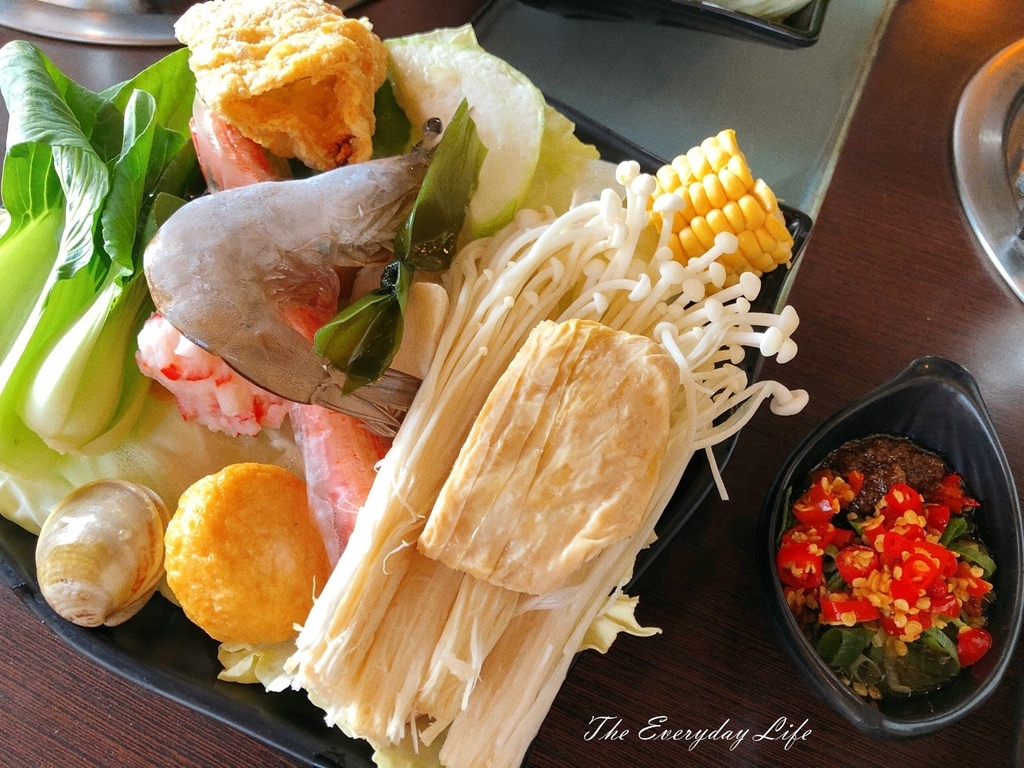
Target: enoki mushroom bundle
[(400, 647)]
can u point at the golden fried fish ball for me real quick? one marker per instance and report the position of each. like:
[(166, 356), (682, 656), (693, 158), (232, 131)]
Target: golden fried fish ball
[(295, 76), (244, 556)]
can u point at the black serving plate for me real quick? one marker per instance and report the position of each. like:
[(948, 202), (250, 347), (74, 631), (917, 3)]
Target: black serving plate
[(936, 404), (799, 30), (161, 650)]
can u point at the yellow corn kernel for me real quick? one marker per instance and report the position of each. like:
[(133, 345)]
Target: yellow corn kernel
[(764, 262), (764, 239), (699, 165), (698, 198), (715, 156), (714, 191), (692, 246), (727, 141), (766, 196), (682, 168), (753, 213), (720, 194), (668, 178), (704, 232), (733, 262), (677, 249), (718, 221), (777, 228), (738, 166), (734, 214), (734, 188), (749, 246)]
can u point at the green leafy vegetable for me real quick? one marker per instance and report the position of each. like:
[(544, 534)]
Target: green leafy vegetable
[(363, 338), (788, 518), (393, 132), (79, 179), (972, 553), (428, 237), (939, 641), (956, 528), (835, 583), (839, 647), (867, 669), (367, 333), (926, 666)]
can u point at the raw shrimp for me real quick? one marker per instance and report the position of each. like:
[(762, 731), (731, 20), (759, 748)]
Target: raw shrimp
[(339, 453), (218, 268)]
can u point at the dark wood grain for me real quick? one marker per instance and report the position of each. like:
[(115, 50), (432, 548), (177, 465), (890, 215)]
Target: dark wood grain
[(891, 273)]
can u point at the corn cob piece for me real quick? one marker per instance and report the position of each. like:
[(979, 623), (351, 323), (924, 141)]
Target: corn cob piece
[(720, 194)]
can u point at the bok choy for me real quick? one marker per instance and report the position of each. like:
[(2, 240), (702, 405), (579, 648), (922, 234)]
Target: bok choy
[(82, 173)]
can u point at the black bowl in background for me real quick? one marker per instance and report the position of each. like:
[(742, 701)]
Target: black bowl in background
[(799, 30), (937, 404)]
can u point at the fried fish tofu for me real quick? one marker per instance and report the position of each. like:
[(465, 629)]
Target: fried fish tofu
[(243, 554), (296, 77), (562, 460)]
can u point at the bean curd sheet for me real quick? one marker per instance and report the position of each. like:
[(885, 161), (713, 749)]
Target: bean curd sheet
[(161, 650)]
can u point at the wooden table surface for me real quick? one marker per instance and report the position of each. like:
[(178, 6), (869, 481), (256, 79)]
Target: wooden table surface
[(891, 273)]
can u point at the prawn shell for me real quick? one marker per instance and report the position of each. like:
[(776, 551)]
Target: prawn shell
[(100, 553), (222, 265)]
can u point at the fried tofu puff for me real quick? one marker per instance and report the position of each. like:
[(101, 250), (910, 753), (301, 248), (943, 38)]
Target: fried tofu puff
[(243, 555), (295, 76)]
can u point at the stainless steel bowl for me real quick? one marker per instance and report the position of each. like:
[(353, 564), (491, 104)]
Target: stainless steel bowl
[(988, 158)]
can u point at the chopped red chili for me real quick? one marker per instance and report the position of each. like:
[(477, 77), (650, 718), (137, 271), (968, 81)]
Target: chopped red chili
[(950, 491), (856, 481), (821, 534), (975, 586), (818, 505), (896, 576), (798, 566), (848, 612), (972, 644), (855, 562), (946, 560), (937, 516), (902, 498)]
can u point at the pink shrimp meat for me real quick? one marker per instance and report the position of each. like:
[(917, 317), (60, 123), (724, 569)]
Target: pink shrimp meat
[(206, 389)]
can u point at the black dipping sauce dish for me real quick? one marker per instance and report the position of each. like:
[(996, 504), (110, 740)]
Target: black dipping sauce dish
[(936, 404)]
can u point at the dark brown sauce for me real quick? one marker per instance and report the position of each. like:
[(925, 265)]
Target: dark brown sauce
[(885, 460)]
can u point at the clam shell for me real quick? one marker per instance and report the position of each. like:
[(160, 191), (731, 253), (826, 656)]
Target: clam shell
[(100, 553)]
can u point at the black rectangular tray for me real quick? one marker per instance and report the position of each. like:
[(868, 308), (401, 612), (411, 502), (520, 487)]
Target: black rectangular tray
[(163, 651)]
